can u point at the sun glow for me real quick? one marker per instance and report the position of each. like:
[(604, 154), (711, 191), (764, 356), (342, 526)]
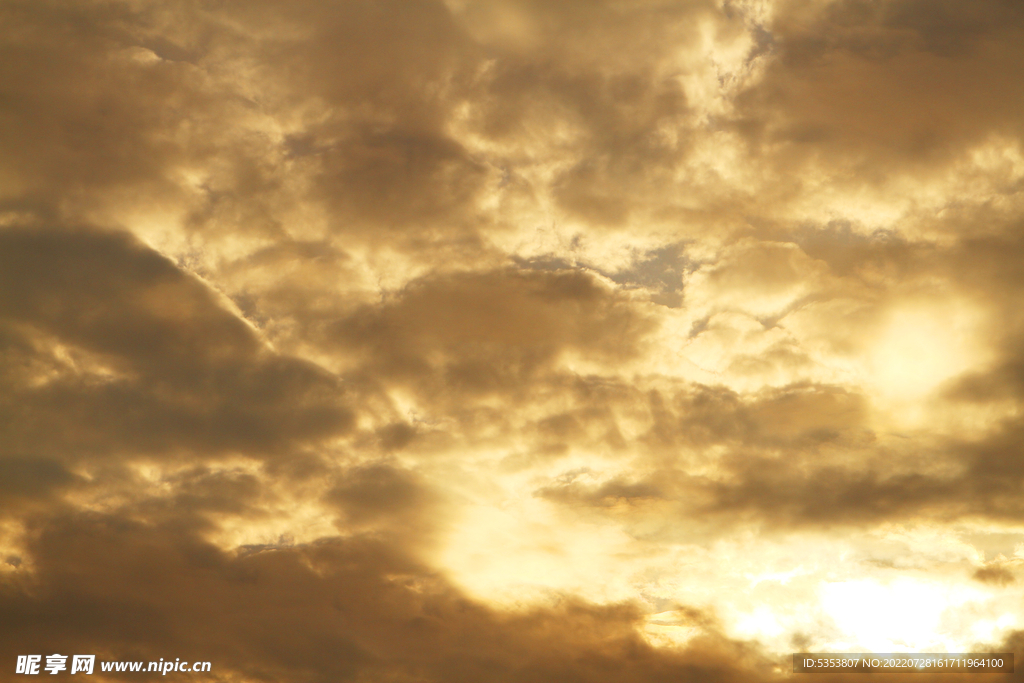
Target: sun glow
[(904, 615), (920, 346)]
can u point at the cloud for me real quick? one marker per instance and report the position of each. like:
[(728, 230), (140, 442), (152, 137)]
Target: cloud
[(334, 609), (508, 340), (890, 84), (490, 331), (999, 576), (131, 355)]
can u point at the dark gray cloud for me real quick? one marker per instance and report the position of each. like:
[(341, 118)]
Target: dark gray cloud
[(797, 457), (997, 575), (479, 333), (152, 362), (884, 85), (334, 610)]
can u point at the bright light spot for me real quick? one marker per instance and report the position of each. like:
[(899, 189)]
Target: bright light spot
[(902, 615), (782, 577), (920, 346), (988, 629), (761, 622), (517, 556)]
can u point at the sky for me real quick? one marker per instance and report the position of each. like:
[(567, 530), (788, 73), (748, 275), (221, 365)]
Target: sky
[(488, 341)]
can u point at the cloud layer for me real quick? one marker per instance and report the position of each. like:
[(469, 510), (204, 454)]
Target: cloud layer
[(510, 340)]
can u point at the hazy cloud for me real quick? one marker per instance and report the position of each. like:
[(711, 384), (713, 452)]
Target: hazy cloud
[(510, 340)]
